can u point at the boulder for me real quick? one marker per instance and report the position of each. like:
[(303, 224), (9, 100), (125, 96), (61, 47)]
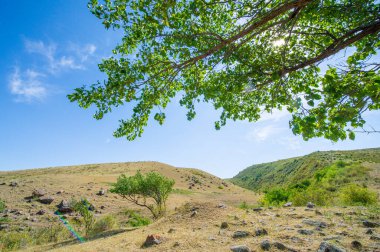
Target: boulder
[(240, 234), (152, 240), (101, 192), (41, 212), (261, 231), (46, 200), (370, 224), (315, 223), (224, 225), (13, 184), (288, 204), (240, 248), (64, 207), (38, 193), (265, 245), (305, 232), (356, 245), (310, 205), (328, 247)]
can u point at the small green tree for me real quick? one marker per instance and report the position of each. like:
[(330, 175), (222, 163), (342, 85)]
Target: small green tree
[(139, 188), (83, 207)]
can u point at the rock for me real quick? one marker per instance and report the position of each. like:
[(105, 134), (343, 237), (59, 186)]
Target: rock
[(60, 191), (193, 213), (34, 220), (3, 183), (279, 246), (240, 234), (101, 192), (258, 209), (288, 204), (221, 205), (153, 240), (310, 205), (172, 230), (305, 232), (369, 231), (102, 207), (240, 248), (328, 247), (4, 226), (260, 232), (318, 212), (375, 237), (38, 193), (64, 207), (356, 245), (224, 225), (13, 184), (176, 244), (265, 245), (46, 200), (370, 224), (315, 223), (332, 237), (41, 212)]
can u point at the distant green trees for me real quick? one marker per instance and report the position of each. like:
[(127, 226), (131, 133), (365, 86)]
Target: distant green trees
[(150, 191), (336, 184)]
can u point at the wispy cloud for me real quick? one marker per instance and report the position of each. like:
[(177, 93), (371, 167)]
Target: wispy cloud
[(262, 133), (58, 60), (27, 86), (275, 116)]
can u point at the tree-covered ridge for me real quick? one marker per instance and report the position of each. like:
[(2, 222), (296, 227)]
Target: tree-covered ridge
[(244, 57), (290, 171)]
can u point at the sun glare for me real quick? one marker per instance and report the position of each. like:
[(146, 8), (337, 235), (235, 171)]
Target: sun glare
[(279, 42)]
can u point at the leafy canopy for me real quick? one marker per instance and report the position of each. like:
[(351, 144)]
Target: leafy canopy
[(139, 188), (245, 57)]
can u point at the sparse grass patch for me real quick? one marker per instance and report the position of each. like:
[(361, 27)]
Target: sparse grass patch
[(2, 205), (182, 191), (245, 205), (105, 223)]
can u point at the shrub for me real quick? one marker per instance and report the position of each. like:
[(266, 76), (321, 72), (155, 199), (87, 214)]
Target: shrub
[(136, 220), (106, 223), (139, 188), (14, 240), (356, 195), (276, 196), (83, 207), (2, 205)]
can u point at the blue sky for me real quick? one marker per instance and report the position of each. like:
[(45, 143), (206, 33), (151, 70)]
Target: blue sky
[(48, 49)]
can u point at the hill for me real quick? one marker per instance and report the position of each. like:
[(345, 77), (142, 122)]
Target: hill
[(286, 172)]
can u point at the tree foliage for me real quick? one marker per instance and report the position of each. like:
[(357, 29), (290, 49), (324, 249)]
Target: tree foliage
[(139, 188), (245, 57)]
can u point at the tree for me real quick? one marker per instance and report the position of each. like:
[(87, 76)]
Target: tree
[(245, 57), (139, 188)]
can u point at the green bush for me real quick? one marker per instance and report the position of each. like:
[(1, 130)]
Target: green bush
[(276, 196), (142, 189), (106, 223), (136, 220), (356, 195), (83, 207), (2, 205)]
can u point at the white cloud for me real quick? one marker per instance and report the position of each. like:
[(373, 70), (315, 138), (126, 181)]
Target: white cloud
[(260, 134), (275, 116), (57, 62), (27, 86)]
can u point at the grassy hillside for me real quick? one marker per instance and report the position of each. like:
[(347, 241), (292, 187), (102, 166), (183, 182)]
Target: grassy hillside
[(290, 171)]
